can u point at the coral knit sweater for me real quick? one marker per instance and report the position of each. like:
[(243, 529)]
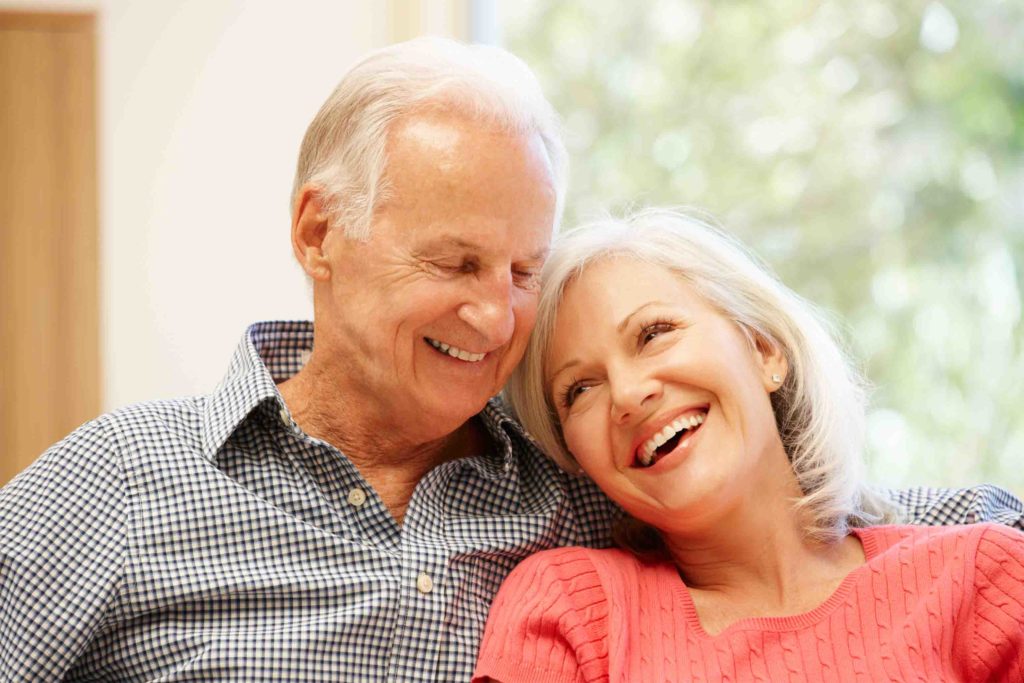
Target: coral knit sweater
[(930, 604)]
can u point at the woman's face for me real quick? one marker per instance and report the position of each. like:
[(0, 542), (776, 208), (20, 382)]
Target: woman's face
[(662, 400)]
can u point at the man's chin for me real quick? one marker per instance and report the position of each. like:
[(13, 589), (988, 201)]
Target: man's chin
[(445, 415)]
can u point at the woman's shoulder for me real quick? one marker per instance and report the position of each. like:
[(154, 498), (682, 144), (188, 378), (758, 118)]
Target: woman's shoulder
[(572, 569), (587, 582), (571, 561)]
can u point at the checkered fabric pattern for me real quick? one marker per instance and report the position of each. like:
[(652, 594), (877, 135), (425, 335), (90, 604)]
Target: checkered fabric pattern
[(209, 539)]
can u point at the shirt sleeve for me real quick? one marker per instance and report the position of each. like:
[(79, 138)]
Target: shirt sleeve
[(982, 503), (61, 554), (548, 623), (997, 652)]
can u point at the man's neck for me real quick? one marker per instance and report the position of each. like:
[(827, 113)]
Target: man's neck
[(392, 462)]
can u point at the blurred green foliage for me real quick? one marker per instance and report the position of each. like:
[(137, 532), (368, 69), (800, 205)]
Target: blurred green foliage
[(872, 152)]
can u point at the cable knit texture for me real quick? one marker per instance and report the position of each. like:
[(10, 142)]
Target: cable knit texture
[(931, 604)]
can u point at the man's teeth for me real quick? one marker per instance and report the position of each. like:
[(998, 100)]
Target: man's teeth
[(667, 432), (456, 352)]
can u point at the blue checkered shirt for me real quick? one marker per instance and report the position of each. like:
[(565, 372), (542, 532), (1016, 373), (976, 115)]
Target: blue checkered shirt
[(210, 539)]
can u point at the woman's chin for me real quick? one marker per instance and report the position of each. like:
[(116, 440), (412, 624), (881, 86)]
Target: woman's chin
[(690, 513)]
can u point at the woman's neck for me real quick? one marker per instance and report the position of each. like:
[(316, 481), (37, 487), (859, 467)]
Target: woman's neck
[(765, 565)]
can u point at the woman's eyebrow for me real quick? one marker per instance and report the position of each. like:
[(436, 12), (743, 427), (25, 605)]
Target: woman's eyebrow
[(620, 328), (565, 366), (625, 321)]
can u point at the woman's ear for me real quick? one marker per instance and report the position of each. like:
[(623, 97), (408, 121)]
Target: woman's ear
[(772, 361), (309, 229)]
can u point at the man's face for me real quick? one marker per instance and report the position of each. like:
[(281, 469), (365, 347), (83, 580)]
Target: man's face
[(426, 319)]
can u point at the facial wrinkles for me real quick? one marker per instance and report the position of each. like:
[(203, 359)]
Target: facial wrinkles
[(402, 269), (482, 289), (459, 191)]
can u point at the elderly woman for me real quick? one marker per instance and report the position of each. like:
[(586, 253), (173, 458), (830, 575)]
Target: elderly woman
[(714, 406)]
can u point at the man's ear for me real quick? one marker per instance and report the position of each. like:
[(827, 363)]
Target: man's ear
[(309, 229), (774, 366)]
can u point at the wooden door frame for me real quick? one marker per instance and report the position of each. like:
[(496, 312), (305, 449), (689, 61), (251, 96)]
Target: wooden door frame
[(49, 231)]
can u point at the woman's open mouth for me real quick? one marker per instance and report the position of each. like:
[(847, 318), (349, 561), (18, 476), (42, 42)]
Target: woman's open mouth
[(671, 435)]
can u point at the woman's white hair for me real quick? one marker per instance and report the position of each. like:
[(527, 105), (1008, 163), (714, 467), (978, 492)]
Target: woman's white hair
[(343, 152), (820, 407)]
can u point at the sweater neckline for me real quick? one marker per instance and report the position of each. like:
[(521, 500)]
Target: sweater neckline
[(784, 623)]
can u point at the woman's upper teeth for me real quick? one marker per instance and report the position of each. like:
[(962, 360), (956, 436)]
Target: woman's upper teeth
[(456, 352), (667, 432)]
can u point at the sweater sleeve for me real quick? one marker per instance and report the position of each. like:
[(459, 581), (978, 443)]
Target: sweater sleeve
[(548, 623), (997, 652)]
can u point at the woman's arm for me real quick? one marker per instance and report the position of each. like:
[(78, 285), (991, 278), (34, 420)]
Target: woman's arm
[(548, 623), (997, 652)]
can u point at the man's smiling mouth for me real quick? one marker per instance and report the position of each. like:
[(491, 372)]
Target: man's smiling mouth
[(455, 352), (666, 440)]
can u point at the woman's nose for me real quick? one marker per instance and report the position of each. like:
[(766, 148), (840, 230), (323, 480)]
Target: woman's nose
[(632, 396)]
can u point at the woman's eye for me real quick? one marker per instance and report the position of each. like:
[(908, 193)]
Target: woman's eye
[(571, 393), (652, 330)]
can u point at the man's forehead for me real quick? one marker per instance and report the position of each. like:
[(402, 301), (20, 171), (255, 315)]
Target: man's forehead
[(435, 132)]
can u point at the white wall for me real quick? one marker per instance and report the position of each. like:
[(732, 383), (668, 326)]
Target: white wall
[(203, 104)]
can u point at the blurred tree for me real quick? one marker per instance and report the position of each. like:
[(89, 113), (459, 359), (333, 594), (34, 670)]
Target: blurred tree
[(872, 152)]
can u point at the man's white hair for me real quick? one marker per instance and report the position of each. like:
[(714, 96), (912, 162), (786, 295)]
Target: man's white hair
[(820, 407), (343, 153)]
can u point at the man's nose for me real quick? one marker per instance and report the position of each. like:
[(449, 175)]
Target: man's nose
[(489, 310), (633, 395)]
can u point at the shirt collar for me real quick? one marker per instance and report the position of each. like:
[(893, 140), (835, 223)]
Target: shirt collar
[(268, 353), (272, 351)]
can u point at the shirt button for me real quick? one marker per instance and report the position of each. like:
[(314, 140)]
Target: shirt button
[(424, 584), (356, 497), (285, 417)]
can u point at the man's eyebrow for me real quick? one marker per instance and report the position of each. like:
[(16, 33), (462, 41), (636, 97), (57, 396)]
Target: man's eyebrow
[(447, 242), (455, 242), (541, 255)]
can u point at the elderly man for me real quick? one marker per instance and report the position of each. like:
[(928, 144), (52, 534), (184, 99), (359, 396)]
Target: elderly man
[(345, 504)]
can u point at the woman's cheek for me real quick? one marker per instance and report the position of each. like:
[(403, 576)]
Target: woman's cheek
[(577, 446)]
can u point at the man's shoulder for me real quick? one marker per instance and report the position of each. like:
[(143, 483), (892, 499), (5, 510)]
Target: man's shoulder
[(135, 431), (942, 506), (167, 421), (543, 483), (182, 422)]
